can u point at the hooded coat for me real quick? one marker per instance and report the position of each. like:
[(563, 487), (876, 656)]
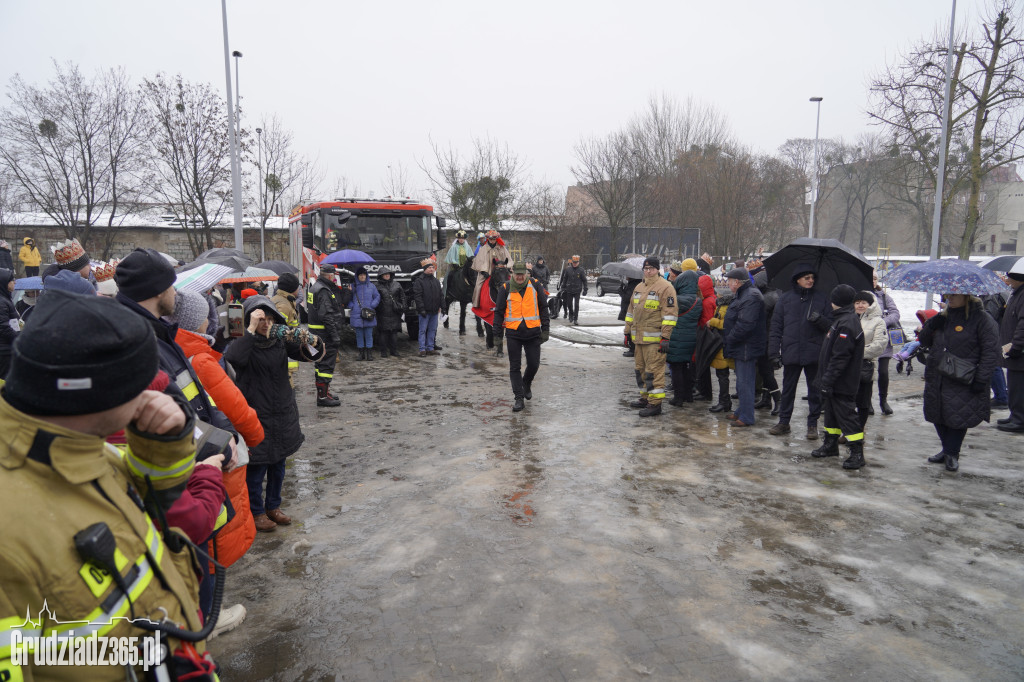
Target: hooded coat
[(684, 336), (876, 338), (707, 290), (6, 261), (29, 255), (793, 336), (392, 304), (364, 295), (970, 334), (541, 272), (1011, 329), (261, 373)]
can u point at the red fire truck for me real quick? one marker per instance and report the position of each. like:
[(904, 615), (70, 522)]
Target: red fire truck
[(396, 233)]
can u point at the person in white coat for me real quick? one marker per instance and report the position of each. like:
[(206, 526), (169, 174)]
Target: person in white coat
[(876, 340)]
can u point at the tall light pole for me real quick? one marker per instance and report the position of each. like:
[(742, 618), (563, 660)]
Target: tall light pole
[(236, 174), (263, 216), (814, 178), (634, 154), (238, 93)]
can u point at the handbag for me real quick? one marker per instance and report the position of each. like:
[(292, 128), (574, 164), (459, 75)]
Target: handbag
[(957, 368), (364, 312), (867, 372)]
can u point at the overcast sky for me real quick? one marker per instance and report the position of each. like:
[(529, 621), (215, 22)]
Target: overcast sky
[(367, 85)]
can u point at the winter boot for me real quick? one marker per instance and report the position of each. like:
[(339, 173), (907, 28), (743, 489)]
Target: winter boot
[(527, 391), (856, 458), (776, 397), (812, 431), (764, 401), (362, 354), (938, 458), (884, 404), (264, 524), (779, 429), (519, 405), (369, 353), (724, 403), (650, 411), (324, 398), (639, 404), (952, 462), (830, 448)]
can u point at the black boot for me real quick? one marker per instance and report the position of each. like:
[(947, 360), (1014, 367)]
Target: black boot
[(650, 411), (519, 405), (884, 404), (369, 353), (324, 398), (723, 405), (856, 458), (383, 351), (362, 354), (527, 392), (952, 462), (639, 404), (938, 458), (830, 448), (764, 401), (776, 398)]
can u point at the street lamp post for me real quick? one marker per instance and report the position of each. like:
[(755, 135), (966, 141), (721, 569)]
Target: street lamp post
[(236, 175), (814, 178), (238, 93), (262, 201), (634, 155)]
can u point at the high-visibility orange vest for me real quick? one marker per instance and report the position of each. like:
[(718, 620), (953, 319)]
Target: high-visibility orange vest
[(521, 308)]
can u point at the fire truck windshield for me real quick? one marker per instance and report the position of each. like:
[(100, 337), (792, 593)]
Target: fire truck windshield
[(380, 233)]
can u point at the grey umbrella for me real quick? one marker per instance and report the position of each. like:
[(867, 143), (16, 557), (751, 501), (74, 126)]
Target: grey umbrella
[(1003, 263), (222, 256)]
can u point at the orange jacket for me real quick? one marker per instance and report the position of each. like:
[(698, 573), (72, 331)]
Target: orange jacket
[(236, 537), (219, 386)]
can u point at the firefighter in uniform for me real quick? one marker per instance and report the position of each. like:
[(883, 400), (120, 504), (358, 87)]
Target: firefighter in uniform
[(75, 508), (284, 301), (326, 303), (521, 314), (649, 323)]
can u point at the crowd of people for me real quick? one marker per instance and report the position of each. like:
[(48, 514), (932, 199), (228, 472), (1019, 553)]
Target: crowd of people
[(839, 341)]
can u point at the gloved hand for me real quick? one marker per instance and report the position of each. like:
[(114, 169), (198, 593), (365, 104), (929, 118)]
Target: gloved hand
[(663, 346), (777, 362), (499, 346), (1014, 352), (544, 335)]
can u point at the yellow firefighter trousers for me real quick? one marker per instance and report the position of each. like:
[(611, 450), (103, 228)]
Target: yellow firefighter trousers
[(650, 372)]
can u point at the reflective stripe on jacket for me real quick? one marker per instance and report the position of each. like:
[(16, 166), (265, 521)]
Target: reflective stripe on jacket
[(652, 311), (521, 308)]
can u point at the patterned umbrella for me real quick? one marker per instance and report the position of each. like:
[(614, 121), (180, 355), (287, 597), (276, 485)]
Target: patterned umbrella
[(251, 274), (202, 278), (28, 283), (946, 276)]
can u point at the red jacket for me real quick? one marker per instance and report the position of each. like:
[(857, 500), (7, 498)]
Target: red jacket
[(219, 386), (196, 511), (707, 290)]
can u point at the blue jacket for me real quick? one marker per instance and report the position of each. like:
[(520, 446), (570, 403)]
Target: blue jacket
[(793, 337), (744, 329), (364, 295), (684, 336)]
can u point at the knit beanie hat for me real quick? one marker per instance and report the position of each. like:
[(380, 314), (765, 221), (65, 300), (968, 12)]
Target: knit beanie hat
[(56, 369), (653, 262), (70, 255), (864, 296), (247, 293), (190, 309), (68, 280), (843, 295), (690, 264), (676, 267), (288, 282), (739, 273), (143, 274)]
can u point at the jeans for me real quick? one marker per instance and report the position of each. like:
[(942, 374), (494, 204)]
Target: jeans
[(999, 386), (746, 371), (364, 337), (254, 475), (428, 330)]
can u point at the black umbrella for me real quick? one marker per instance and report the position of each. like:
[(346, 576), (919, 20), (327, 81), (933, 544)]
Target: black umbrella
[(279, 266), (833, 261), (709, 342), (222, 256)]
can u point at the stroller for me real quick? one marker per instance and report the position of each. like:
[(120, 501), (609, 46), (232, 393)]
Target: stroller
[(913, 349)]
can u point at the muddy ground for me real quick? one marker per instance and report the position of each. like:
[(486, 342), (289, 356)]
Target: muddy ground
[(439, 535)]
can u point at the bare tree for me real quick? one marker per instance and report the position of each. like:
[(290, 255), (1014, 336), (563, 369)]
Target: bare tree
[(799, 154), (605, 171), (985, 111), (280, 171), (566, 229), (396, 184), (489, 185), (74, 146), (190, 142)]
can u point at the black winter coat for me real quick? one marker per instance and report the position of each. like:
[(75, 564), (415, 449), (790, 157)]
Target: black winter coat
[(627, 294), (542, 274), (426, 291), (573, 281), (391, 306), (744, 329), (793, 337), (6, 262), (7, 313), (842, 354), (1011, 330), (261, 373), (970, 334)]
